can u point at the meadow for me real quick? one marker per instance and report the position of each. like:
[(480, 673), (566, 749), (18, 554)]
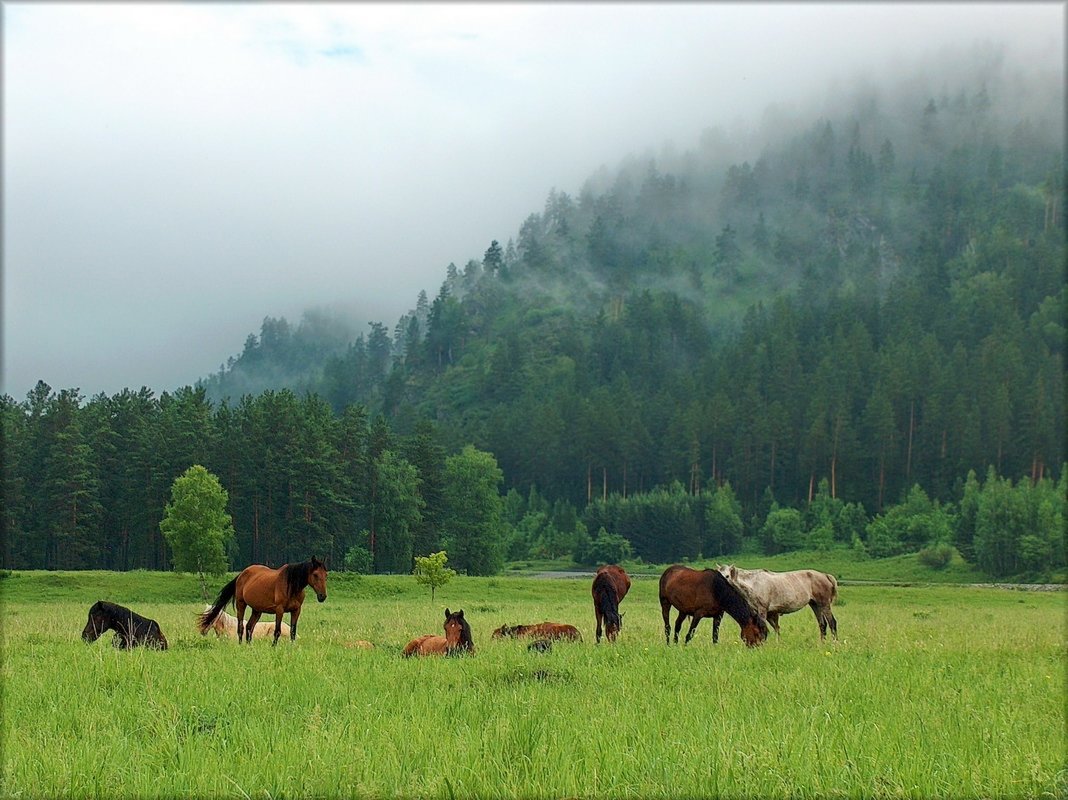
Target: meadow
[(931, 691)]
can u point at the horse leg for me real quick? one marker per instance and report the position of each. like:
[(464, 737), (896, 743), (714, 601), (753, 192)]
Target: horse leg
[(772, 618), (833, 622), (239, 610), (819, 618), (665, 609), (693, 627), (293, 615), (252, 620), (716, 619), (678, 625), (597, 613)]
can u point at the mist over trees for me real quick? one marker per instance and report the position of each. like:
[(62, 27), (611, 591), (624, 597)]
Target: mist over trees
[(821, 342)]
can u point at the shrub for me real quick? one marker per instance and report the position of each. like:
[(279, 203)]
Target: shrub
[(936, 556)]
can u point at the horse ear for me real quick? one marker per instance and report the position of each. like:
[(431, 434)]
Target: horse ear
[(460, 614), (447, 615)]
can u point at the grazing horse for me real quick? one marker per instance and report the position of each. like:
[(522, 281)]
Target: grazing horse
[(610, 586), (226, 625), (131, 629), (456, 641), (775, 593), (706, 593), (269, 590), (543, 630)]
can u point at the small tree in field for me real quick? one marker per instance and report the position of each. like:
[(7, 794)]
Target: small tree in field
[(431, 571), (196, 525)]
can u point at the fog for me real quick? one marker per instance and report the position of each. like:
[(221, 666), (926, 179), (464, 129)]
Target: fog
[(173, 173)]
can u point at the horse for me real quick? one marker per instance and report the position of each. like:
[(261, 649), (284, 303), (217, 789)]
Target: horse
[(543, 630), (131, 629), (707, 593), (272, 590), (226, 625), (775, 593), (456, 641), (540, 646), (610, 586)]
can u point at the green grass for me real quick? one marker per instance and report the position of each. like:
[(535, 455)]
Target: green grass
[(931, 692)]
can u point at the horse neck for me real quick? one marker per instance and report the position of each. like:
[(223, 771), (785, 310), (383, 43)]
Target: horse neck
[(731, 599), (296, 576), (606, 600)]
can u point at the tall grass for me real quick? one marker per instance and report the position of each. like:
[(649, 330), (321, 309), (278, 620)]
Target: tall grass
[(931, 692)]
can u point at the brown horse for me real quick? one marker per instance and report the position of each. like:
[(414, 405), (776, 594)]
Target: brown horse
[(610, 586), (706, 593), (776, 593), (131, 629), (543, 630), (456, 641), (275, 591)]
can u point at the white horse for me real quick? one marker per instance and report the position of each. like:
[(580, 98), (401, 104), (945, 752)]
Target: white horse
[(226, 625), (775, 593)]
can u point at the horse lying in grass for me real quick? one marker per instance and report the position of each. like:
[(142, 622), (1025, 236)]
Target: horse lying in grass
[(776, 593), (542, 630), (131, 629), (226, 625), (706, 593), (456, 641)]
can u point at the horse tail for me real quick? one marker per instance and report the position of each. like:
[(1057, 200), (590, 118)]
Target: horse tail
[(834, 588), (225, 596)]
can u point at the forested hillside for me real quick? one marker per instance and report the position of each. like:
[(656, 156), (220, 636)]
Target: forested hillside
[(841, 325)]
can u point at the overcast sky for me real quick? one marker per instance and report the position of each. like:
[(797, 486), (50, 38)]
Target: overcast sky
[(173, 173)]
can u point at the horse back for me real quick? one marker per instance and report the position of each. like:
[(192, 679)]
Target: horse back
[(427, 644), (689, 590), (616, 577), (262, 588)]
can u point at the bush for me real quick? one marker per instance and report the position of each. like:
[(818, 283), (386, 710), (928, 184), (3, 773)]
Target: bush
[(936, 556), (358, 559)]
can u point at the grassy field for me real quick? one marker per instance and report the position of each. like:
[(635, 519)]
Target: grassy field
[(931, 692)]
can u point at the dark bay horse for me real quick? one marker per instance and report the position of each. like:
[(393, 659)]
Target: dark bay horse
[(706, 593), (775, 593), (610, 586), (542, 630), (131, 629), (266, 590), (456, 641)]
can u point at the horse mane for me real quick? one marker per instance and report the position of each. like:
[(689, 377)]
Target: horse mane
[(734, 601), (296, 575), (605, 594), (466, 642)]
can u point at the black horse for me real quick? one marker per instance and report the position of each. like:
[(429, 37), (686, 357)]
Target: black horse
[(131, 629)]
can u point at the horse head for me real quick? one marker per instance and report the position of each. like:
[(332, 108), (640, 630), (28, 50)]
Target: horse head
[(457, 632), (754, 631), (317, 578), (98, 622), (502, 632)]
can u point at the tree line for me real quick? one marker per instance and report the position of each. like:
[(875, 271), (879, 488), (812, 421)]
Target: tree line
[(85, 483)]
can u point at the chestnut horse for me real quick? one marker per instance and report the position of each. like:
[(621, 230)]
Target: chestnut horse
[(457, 639), (274, 591), (610, 586), (543, 630), (706, 593), (131, 629), (776, 593)]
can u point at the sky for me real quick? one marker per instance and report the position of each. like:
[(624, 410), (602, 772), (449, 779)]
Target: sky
[(175, 172)]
